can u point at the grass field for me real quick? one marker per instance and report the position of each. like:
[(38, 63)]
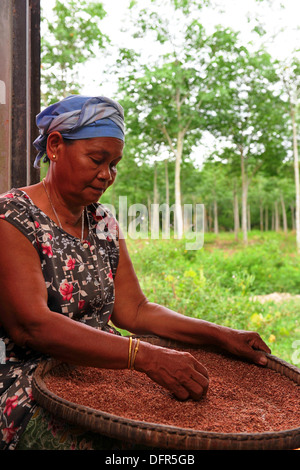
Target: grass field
[(222, 283)]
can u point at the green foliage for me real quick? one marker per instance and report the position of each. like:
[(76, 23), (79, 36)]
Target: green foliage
[(71, 37), (185, 5), (207, 82), (219, 282), (198, 82)]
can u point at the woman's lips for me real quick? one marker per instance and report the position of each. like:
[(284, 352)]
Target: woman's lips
[(100, 190)]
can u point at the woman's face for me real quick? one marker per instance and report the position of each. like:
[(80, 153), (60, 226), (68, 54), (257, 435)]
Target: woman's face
[(84, 169)]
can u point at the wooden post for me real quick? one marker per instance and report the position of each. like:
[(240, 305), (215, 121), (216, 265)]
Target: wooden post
[(19, 91)]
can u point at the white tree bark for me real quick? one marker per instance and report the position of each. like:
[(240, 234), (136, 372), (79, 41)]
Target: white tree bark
[(277, 223), (245, 185), (155, 210), (249, 218), (167, 183), (293, 94), (178, 159), (236, 213), (284, 217), (178, 208), (297, 185)]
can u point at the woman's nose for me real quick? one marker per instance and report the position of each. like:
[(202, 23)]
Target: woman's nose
[(104, 173)]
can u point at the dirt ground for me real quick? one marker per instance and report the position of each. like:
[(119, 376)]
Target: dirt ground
[(276, 297)]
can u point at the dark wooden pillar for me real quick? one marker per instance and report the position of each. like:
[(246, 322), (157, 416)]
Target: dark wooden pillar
[(35, 82), (21, 81), (19, 116)]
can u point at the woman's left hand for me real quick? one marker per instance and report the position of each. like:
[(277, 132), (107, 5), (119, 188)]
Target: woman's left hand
[(245, 344)]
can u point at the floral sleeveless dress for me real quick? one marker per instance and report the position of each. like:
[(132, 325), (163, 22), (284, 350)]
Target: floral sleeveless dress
[(80, 283)]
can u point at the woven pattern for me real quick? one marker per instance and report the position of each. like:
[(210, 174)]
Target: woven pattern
[(158, 435)]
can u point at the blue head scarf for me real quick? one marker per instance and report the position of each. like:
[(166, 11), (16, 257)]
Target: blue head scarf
[(79, 117)]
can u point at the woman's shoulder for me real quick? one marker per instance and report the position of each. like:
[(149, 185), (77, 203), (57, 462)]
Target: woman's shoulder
[(14, 198), (17, 209)]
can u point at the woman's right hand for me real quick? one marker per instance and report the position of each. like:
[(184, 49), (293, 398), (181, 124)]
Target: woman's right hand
[(177, 371)]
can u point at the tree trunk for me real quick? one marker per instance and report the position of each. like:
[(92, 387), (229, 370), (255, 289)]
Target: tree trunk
[(149, 206), (155, 189), (205, 220), (167, 183), (155, 209), (249, 218), (276, 212), (266, 219), (236, 215), (261, 216), (216, 222), (245, 184), (297, 185), (284, 218), (178, 225), (209, 218), (178, 209), (292, 216)]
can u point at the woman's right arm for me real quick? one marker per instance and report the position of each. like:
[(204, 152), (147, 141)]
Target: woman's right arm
[(29, 322)]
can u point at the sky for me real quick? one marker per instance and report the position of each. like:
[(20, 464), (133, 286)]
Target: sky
[(238, 14), (282, 26)]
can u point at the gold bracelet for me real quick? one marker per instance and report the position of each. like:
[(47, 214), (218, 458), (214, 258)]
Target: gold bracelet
[(132, 352), (135, 353), (129, 352)]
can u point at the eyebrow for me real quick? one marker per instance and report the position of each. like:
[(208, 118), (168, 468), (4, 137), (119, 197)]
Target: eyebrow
[(103, 153)]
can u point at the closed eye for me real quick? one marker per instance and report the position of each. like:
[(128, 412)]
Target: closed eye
[(115, 162), (97, 162), (113, 165)]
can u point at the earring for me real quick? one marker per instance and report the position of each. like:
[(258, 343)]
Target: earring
[(54, 157)]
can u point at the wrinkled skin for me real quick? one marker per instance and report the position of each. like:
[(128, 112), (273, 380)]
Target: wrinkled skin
[(79, 173)]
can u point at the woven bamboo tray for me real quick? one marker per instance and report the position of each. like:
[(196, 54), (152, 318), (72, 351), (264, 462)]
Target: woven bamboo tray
[(158, 435)]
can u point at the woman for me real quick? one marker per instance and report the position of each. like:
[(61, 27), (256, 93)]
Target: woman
[(65, 272)]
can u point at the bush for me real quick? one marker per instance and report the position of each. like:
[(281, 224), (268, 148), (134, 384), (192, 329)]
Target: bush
[(218, 282)]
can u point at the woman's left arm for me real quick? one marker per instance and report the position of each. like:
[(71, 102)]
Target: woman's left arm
[(136, 314)]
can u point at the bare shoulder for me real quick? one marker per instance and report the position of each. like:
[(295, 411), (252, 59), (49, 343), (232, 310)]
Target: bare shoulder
[(13, 241), (19, 261), (35, 192), (22, 284)]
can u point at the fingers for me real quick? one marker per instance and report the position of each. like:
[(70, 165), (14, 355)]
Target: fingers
[(200, 368), (260, 359), (250, 346), (198, 386), (192, 382), (195, 387), (258, 348), (190, 388), (180, 373), (257, 343), (180, 392)]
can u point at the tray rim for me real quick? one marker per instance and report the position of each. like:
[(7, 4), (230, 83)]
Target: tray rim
[(40, 392)]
